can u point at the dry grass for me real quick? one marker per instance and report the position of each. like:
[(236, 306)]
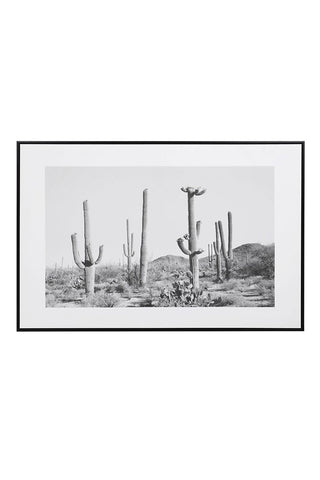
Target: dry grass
[(66, 288)]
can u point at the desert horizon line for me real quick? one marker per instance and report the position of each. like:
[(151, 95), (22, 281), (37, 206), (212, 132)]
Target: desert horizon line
[(152, 258)]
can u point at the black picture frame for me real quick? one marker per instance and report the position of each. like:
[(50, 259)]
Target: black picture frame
[(18, 287)]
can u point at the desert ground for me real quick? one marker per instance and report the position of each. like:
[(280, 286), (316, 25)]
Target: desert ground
[(169, 283)]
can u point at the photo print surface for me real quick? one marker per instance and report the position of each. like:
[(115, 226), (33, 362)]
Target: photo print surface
[(162, 236)]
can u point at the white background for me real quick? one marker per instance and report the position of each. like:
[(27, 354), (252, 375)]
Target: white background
[(168, 406)]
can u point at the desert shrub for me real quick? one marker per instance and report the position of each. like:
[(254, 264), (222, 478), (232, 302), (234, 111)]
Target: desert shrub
[(116, 286), (105, 273), (232, 284), (261, 264), (124, 288), (51, 300), (179, 294), (69, 294), (78, 283), (133, 278), (101, 299), (266, 288), (161, 271), (229, 301), (60, 276), (157, 273)]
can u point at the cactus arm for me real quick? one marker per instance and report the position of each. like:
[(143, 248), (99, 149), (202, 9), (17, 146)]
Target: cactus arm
[(198, 228), (198, 252), (230, 252), (182, 246), (132, 252), (100, 255), (223, 246), (124, 250), (199, 191), (215, 248), (75, 251), (184, 189), (89, 254)]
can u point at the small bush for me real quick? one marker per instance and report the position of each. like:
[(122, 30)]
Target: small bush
[(180, 294), (51, 300), (229, 285), (230, 301), (266, 288), (106, 273), (102, 300)]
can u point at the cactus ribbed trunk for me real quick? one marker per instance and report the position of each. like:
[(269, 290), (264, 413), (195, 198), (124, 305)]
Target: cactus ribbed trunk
[(89, 275), (143, 248), (88, 265), (230, 251), (227, 255), (217, 251), (193, 234), (129, 262), (89, 270), (210, 254), (129, 253), (194, 261), (218, 266)]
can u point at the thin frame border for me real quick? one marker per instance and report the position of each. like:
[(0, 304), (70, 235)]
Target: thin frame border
[(302, 280)]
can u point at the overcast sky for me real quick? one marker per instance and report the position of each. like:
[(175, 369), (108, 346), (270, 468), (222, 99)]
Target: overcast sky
[(115, 194)]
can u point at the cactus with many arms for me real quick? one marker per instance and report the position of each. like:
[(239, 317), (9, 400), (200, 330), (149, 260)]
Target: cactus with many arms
[(143, 248), (89, 263), (227, 255), (129, 253), (217, 251), (192, 236)]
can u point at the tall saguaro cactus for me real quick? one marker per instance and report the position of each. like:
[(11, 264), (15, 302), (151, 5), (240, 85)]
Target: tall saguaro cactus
[(129, 253), (217, 251), (143, 248), (193, 235), (227, 255), (88, 265)]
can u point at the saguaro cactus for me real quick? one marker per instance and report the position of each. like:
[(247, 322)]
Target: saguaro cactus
[(217, 251), (227, 255), (210, 254), (89, 263), (143, 248), (193, 235), (129, 253)]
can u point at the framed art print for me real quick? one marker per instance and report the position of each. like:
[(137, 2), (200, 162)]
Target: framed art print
[(160, 235)]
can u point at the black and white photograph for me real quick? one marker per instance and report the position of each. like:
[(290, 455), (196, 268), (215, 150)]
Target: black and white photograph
[(161, 235)]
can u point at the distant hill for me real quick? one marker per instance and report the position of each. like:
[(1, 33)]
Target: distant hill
[(242, 253), (247, 251), (170, 261)]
